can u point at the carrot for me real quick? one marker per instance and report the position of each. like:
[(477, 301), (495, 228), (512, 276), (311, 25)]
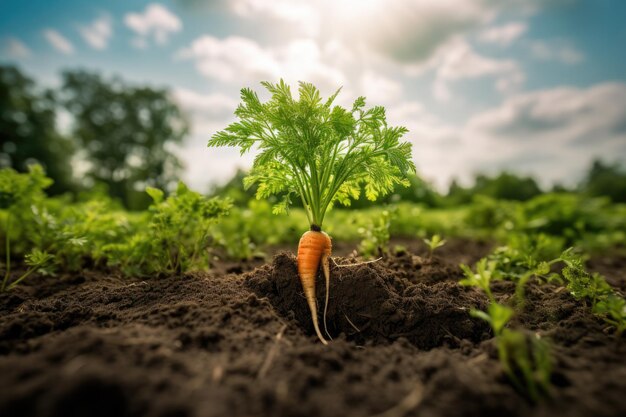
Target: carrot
[(321, 152), (314, 248)]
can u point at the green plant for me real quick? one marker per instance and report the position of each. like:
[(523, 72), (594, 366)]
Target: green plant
[(497, 315), (37, 261), (605, 302), (375, 240), (527, 362), (612, 308), (433, 243), (176, 236), (485, 272), (525, 358), (20, 195), (320, 152)]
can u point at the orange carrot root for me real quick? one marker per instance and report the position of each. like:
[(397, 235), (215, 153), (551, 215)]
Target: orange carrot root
[(314, 248)]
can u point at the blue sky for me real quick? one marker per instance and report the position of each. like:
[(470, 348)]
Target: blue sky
[(533, 86)]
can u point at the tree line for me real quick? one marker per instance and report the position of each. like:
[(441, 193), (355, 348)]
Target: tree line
[(117, 134)]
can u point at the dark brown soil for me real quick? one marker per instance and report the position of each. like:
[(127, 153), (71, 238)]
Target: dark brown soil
[(217, 344)]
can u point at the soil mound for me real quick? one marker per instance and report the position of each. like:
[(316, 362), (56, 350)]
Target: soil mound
[(375, 304)]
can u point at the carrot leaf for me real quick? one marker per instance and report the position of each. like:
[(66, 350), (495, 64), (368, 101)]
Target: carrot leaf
[(319, 151)]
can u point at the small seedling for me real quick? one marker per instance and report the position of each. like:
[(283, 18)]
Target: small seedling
[(433, 243), (485, 272), (527, 362)]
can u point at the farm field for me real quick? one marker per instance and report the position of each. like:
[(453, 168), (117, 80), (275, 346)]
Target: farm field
[(199, 343), (102, 328)]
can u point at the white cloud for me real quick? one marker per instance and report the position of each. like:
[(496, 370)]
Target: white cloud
[(405, 31), (559, 51), (212, 104), (412, 31), (301, 14), (458, 61), (561, 116), (156, 22), (552, 134), (503, 35), (242, 60), (139, 43), (98, 33), (205, 166), (17, 49), (208, 112), (58, 41), (379, 89)]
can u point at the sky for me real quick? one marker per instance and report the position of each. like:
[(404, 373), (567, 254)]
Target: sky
[(535, 87)]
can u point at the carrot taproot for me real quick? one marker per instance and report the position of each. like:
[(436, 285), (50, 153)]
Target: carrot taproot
[(314, 248)]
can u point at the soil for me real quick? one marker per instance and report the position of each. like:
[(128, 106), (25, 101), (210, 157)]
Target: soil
[(241, 344)]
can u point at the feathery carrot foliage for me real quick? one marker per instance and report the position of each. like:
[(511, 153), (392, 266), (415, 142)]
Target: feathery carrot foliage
[(319, 151)]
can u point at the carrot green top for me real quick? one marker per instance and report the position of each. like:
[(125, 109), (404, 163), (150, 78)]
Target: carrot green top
[(317, 150)]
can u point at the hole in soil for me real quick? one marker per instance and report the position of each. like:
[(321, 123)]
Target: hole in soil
[(375, 303)]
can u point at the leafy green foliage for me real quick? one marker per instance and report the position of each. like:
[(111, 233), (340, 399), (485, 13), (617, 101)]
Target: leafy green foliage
[(497, 315), (18, 192), (605, 302), (322, 153), (612, 308), (524, 252), (21, 195), (581, 283), (175, 237), (376, 236), (246, 231)]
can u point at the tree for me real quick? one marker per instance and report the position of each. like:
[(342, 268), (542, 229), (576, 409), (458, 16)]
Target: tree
[(504, 186), (457, 194), (507, 186), (606, 180), (28, 133), (125, 132)]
